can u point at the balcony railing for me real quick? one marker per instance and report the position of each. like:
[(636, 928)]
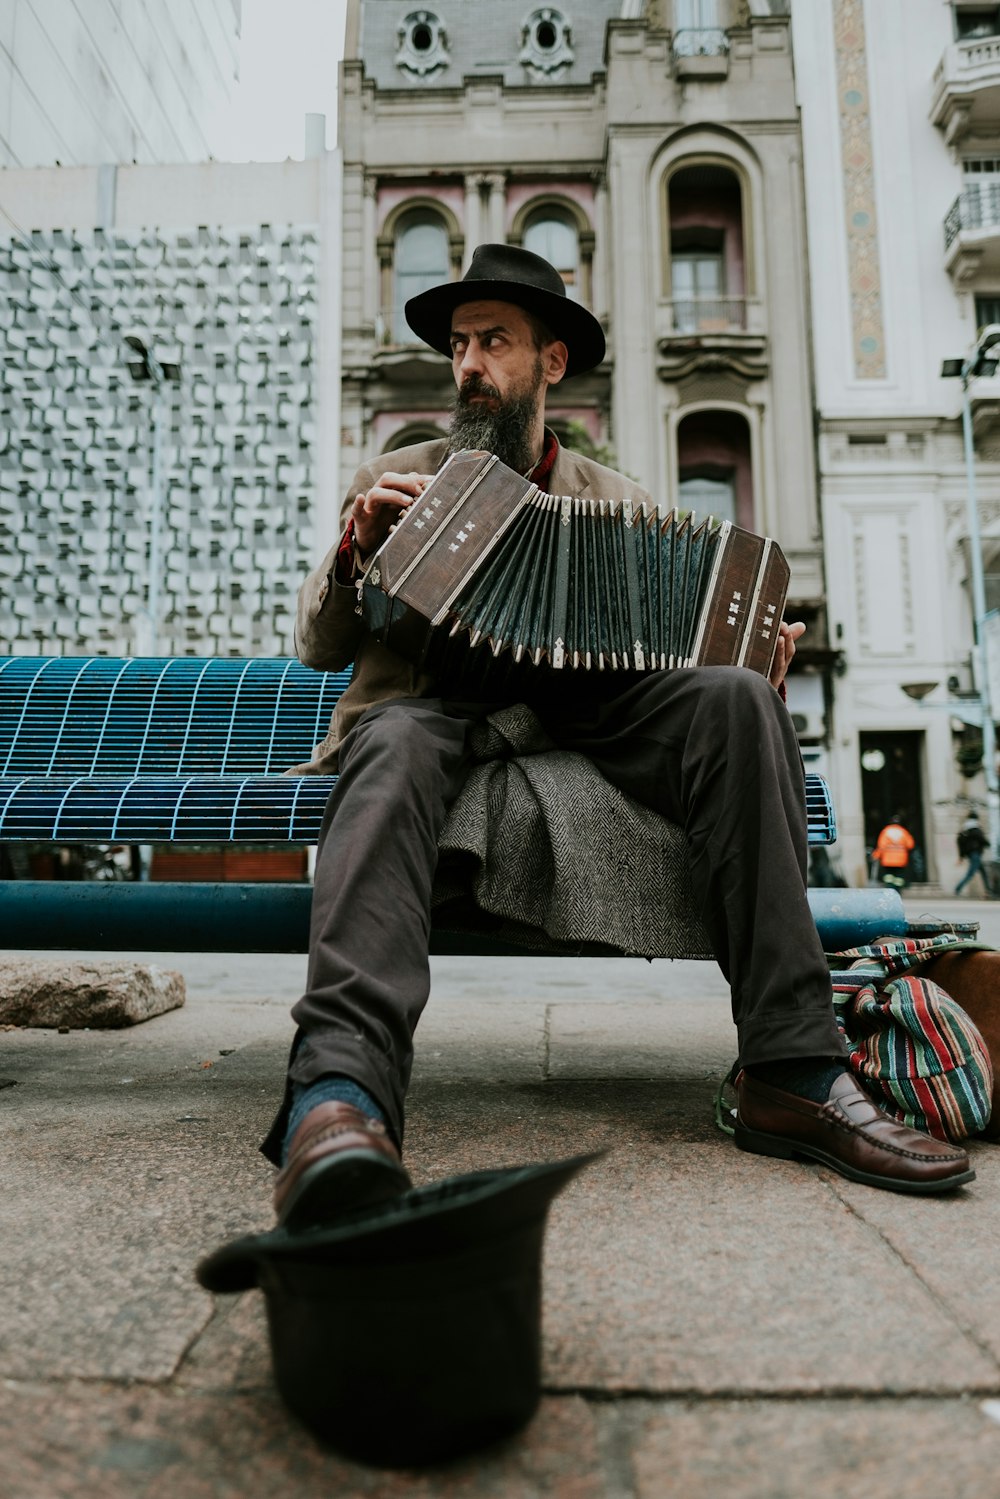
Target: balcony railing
[(705, 315), (974, 208), (965, 99), (967, 57), (983, 52), (709, 41)]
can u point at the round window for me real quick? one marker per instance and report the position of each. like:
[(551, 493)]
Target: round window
[(545, 40), (423, 44)]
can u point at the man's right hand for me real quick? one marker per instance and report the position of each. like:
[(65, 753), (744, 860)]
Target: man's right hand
[(375, 512)]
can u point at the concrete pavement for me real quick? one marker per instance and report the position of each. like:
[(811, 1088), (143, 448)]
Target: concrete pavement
[(715, 1324)]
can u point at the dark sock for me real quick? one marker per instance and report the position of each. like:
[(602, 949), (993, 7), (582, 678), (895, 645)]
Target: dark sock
[(334, 1087), (806, 1077)]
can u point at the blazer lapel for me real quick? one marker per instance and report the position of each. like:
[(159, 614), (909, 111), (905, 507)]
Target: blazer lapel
[(568, 476)]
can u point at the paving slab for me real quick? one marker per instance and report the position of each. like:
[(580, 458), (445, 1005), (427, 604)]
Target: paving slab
[(705, 1310), (94, 1442), (484, 1038), (102, 1218), (37, 1060), (680, 1264), (920, 1449), (668, 1038), (949, 1243)]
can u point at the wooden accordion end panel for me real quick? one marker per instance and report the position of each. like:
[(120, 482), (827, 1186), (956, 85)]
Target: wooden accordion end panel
[(485, 573)]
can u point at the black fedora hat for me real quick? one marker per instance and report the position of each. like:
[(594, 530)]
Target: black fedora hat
[(504, 273), (410, 1334)]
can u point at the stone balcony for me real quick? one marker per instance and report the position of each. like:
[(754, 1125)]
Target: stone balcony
[(966, 90), (711, 332), (701, 53), (972, 234), (984, 401)]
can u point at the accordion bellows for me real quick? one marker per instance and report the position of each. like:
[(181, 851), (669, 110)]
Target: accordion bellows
[(486, 572)]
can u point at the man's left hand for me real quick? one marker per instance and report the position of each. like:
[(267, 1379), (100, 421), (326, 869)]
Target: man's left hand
[(784, 651)]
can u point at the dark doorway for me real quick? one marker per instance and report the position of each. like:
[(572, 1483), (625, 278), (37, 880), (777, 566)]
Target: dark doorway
[(891, 789)]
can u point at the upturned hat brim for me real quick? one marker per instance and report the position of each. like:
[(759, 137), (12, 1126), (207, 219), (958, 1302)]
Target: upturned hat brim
[(504, 273), (411, 1334), (458, 1213)]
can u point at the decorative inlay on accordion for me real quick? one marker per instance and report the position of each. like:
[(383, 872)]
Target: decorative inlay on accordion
[(487, 571)]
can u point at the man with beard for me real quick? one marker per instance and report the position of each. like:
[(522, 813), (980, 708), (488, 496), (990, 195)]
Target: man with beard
[(712, 749)]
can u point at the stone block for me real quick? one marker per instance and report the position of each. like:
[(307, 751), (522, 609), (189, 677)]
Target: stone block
[(100, 995)]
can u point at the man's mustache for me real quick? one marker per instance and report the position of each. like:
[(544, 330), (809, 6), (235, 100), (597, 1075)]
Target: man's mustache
[(475, 385)]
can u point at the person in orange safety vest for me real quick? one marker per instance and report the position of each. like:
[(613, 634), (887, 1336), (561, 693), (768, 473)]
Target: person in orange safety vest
[(892, 852)]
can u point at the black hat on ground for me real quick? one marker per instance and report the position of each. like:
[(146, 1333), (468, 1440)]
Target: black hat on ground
[(411, 1334), (504, 273)]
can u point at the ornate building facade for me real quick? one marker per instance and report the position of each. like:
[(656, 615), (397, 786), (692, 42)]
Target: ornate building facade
[(653, 153)]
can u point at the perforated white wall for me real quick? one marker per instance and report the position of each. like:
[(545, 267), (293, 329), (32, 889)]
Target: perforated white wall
[(236, 308)]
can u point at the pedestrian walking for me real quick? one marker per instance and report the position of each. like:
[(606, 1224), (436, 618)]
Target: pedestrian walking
[(971, 843)]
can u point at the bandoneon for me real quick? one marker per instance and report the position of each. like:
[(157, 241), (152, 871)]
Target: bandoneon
[(486, 574)]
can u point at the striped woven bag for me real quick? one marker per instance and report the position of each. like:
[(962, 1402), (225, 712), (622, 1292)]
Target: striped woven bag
[(913, 1049)]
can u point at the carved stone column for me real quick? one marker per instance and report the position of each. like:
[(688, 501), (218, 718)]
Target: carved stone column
[(473, 216), (369, 273), (495, 184), (600, 269)]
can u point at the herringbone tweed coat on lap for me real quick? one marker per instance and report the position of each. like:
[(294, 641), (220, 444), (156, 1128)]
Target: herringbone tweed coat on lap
[(556, 858)]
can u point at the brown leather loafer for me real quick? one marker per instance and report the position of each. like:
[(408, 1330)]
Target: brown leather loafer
[(848, 1133), (340, 1162)]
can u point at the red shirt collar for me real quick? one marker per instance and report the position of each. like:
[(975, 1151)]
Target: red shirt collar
[(543, 468)]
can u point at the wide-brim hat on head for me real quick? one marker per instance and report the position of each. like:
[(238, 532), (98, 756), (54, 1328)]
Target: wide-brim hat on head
[(412, 1333), (504, 273)]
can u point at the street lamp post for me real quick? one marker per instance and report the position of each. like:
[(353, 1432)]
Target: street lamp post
[(980, 362)]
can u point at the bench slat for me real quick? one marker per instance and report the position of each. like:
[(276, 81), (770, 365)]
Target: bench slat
[(102, 716), (186, 749), (167, 809), (203, 809)]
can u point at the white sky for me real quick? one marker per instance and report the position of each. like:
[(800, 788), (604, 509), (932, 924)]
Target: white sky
[(290, 51)]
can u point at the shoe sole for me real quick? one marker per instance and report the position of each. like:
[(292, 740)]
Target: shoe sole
[(341, 1186), (756, 1143)]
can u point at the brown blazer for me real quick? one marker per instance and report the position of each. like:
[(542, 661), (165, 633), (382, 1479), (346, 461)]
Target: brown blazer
[(329, 635)]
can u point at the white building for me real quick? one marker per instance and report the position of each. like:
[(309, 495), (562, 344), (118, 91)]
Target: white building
[(900, 108), (227, 274), (123, 81), (114, 224)]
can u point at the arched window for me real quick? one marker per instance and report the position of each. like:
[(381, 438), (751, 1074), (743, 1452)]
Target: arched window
[(552, 233), (420, 261), (714, 469), (707, 257), (709, 494)]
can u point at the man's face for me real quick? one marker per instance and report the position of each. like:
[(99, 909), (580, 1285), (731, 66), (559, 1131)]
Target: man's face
[(493, 354), (501, 378)]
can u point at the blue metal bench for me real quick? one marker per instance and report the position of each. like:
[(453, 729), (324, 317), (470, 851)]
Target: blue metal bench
[(192, 750)]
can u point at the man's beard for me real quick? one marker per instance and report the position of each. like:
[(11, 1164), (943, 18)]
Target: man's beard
[(505, 430)]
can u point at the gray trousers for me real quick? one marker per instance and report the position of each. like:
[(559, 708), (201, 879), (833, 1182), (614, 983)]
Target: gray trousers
[(711, 748)]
